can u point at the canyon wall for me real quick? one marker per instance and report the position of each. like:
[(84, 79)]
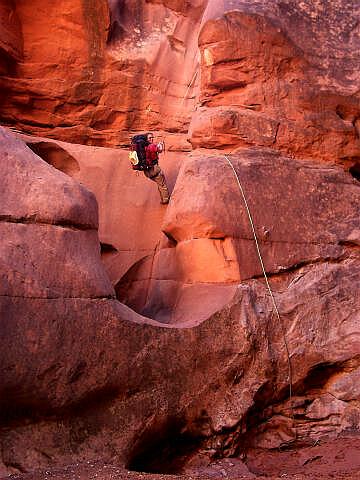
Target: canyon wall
[(91, 72), (145, 335), (11, 37)]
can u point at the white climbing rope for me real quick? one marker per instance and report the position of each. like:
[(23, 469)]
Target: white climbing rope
[(188, 88), (276, 310)]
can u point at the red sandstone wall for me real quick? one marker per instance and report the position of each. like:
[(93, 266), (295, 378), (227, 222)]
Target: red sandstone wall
[(83, 374), (106, 70), (11, 42), (88, 79)]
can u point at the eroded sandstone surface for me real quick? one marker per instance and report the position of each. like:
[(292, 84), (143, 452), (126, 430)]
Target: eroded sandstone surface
[(104, 70), (89, 368), (277, 74), (144, 336)]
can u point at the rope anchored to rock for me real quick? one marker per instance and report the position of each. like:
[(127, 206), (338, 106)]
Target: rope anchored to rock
[(276, 310)]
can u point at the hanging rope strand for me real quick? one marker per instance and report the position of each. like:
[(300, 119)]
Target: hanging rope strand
[(266, 281), (189, 86)]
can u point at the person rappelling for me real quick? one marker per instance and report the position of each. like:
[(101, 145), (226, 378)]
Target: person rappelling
[(144, 156)]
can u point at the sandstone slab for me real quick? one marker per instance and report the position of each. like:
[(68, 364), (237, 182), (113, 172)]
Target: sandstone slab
[(33, 192), (45, 261)]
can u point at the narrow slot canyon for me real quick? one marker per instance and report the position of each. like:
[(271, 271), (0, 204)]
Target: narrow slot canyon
[(179, 239)]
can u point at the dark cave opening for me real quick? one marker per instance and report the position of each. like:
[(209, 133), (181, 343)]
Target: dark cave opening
[(317, 377), (355, 171), (163, 450)]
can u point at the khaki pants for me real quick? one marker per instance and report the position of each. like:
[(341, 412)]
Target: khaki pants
[(155, 174)]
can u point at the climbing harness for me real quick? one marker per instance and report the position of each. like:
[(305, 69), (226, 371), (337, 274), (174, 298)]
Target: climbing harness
[(276, 310)]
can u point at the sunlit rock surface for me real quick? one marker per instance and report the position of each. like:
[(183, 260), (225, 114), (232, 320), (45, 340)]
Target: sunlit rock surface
[(280, 75), (144, 335)]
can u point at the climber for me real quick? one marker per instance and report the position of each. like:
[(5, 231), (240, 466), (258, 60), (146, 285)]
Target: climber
[(154, 172), (144, 156)]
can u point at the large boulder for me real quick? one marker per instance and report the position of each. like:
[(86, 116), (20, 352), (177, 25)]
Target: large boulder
[(49, 250)]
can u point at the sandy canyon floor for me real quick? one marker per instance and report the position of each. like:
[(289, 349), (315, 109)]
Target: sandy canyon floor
[(337, 459)]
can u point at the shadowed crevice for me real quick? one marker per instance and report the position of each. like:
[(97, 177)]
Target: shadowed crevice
[(163, 449), (35, 220), (108, 250), (29, 409), (355, 171), (56, 156)]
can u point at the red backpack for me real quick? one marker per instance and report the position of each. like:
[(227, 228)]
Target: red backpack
[(137, 154), (143, 154), (152, 156)]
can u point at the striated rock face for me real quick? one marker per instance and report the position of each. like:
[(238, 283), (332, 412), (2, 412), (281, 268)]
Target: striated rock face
[(279, 76), (326, 32), (272, 74), (123, 66), (59, 77)]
